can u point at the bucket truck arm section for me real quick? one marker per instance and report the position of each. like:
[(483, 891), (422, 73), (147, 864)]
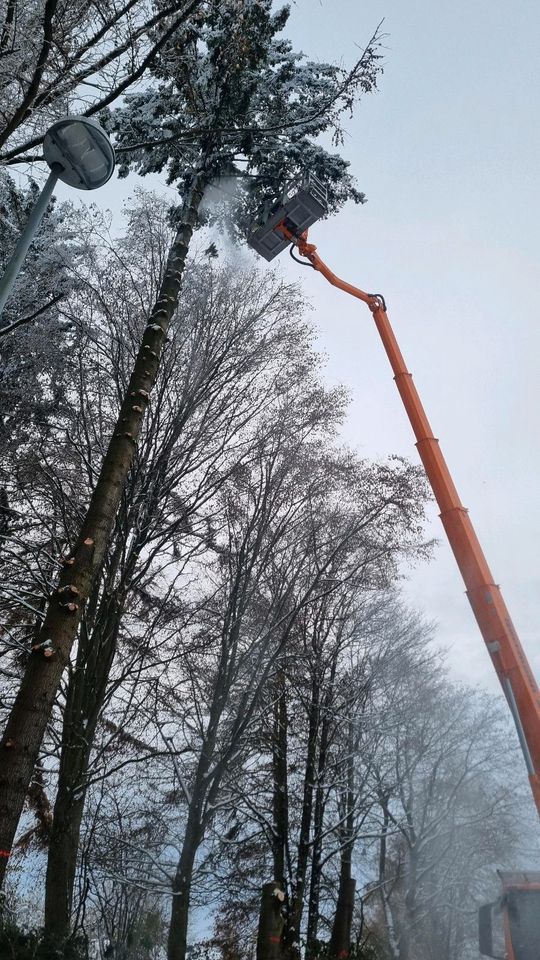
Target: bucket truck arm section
[(503, 644)]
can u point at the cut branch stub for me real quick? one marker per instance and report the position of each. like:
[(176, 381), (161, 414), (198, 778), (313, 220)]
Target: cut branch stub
[(70, 607), (70, 589), (46, 648)]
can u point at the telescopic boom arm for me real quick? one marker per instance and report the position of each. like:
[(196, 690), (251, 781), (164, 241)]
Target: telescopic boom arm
[(501, 639)]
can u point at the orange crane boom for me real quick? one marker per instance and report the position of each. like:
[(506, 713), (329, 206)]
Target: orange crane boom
[(503, 644)]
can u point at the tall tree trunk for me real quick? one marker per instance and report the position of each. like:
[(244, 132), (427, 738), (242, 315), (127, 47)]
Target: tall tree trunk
[(181, 890), (312, 929), (270, 934), (409, 922), (297, 900), (318, 821), (85, 696), (280, 786), (61, 867), (194, 832), (340, 940), (391, 933), (31, 711)]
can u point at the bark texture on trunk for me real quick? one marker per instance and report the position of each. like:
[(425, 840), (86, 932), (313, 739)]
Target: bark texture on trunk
[(318, 822), (314, 897), (409, 920), (340, 940), (391, 934), (271, 923), (193, 836), (304, 849), (61, 869), (177, 942), (280, 782), (27, 722)]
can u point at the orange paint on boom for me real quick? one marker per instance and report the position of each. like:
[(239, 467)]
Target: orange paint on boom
[(503, 644)]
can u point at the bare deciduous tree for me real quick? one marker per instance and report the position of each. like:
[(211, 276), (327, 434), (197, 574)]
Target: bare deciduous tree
[(59, 57)]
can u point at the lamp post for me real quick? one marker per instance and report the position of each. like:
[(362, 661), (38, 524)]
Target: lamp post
[(80, 154)]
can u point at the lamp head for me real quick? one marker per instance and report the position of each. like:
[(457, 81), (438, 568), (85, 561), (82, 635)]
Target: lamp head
[(83, 151)]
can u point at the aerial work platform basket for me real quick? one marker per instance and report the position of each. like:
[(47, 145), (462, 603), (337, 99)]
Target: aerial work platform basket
[(301, 204)]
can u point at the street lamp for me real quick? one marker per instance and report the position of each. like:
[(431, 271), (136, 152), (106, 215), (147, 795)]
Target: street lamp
[(80, 154)]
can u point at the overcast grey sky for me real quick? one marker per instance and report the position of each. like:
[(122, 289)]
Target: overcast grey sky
[(447, 153)]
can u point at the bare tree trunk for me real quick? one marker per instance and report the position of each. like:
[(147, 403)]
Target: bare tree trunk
[(391, 934), (408, 926), (85, 696), (297, 900), (271, 923), (194, 833), (318, 820), (181, 888), (177, 942), (30, 714), (62, 866), (314, 897), (280, 797), (340, 940)]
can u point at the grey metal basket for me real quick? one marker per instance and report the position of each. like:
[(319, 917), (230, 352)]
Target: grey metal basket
[(301, 204)]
